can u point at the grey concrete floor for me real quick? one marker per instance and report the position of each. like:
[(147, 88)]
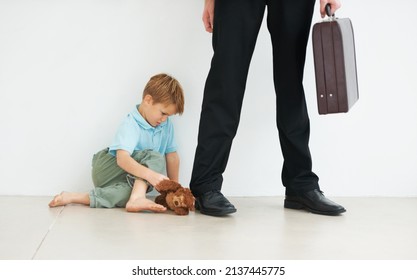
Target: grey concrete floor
[(261, 229)]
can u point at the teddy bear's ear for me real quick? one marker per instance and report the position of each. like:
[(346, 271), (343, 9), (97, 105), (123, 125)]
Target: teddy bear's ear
[(160, 199), (189, 199), (168, 185)]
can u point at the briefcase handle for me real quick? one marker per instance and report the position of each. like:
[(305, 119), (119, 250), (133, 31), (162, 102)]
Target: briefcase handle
[(328, 11)]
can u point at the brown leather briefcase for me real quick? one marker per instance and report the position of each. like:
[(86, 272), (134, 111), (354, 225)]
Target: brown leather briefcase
[(335, 64)]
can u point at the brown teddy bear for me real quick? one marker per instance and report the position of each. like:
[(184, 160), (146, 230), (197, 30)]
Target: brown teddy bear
[(175, 197)]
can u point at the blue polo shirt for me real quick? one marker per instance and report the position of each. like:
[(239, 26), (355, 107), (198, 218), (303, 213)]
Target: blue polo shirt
[(135, 133)]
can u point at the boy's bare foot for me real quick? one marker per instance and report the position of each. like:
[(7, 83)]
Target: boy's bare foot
[(60, 200), (65, 198), (143, 204)]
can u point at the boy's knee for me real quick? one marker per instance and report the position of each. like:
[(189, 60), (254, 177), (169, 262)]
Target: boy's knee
[(151, 159), (112, 196)]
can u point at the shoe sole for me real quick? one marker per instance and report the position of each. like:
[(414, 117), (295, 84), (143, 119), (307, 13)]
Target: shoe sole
[(215, 213), (299, 206)]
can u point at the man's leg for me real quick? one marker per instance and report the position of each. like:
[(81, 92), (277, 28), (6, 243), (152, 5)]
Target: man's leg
[(236, 26), (289, 24)]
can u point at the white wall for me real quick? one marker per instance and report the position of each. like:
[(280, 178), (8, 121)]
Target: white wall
[(70, 70)]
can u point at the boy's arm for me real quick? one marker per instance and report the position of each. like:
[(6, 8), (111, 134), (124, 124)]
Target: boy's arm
[(173, 166), (131, 166)]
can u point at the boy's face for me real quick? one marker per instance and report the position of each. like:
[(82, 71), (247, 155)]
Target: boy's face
[(156, 113)]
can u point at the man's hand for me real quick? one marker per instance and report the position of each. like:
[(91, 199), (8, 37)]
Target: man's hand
[(334, 5), (208, 14)]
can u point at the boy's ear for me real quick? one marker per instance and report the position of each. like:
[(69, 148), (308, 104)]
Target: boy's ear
[(148, 99)]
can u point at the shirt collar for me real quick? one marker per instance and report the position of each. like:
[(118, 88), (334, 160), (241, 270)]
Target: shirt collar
[(140, 120)]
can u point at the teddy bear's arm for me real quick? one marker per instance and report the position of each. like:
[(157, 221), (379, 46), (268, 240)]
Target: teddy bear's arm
[(181, 211)]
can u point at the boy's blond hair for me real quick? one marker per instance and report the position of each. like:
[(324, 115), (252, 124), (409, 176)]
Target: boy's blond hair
[(166, 90)]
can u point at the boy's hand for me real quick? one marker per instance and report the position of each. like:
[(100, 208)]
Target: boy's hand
[(154, 178), (131, 166)]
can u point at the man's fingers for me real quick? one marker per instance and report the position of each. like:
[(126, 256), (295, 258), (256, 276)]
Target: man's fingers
[(208, 23), (334, 5)]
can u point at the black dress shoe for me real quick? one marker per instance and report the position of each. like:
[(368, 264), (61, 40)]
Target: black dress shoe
[(315, 202), (213, 203)]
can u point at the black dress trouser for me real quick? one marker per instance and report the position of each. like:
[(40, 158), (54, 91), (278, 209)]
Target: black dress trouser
[(236, 27)]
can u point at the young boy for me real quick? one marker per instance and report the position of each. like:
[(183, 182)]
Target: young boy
[(142, 151)]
